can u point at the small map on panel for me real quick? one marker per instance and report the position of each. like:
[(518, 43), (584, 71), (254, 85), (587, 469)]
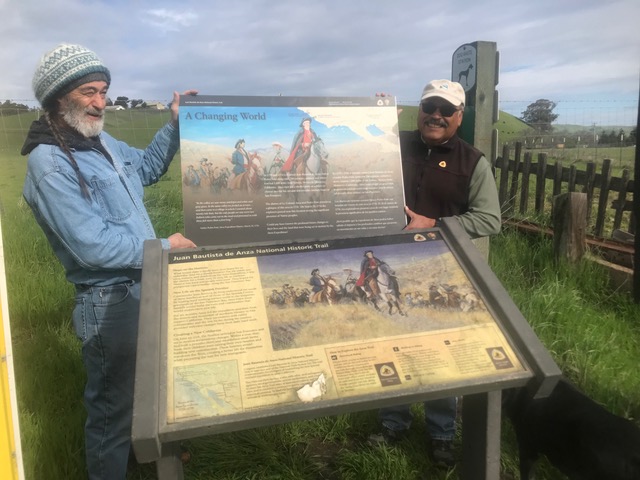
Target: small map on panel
[(206, 390)]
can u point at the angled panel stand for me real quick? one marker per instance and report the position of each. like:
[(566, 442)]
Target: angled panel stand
[(238, 337)]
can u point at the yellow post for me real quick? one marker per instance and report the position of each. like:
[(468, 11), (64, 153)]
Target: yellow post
[(10, 452)]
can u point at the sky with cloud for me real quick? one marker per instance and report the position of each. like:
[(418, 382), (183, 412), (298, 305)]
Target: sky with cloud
[(582, 54)]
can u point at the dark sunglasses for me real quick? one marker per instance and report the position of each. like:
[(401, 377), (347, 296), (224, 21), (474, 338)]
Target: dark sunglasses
[(446, 110)]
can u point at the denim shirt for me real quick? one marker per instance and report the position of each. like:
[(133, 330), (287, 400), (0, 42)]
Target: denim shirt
[(99, 241)]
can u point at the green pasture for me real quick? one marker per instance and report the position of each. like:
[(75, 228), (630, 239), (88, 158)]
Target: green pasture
[(592, 332), (511, 130)]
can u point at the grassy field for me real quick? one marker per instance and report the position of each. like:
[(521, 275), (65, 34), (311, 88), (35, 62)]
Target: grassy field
[(592, 332), (511, 130)]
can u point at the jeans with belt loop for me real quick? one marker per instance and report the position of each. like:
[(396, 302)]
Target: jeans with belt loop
[(106, 320)]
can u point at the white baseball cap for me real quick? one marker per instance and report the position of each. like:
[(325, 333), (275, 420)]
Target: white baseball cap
[(452, 92)]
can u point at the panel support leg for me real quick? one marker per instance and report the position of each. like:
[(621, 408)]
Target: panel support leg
[(169, 466), (481, 422)]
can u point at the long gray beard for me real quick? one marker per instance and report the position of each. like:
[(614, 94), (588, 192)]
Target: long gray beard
[(75, 119)]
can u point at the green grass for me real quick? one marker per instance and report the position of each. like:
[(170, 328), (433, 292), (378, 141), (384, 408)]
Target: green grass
[(592, 332)]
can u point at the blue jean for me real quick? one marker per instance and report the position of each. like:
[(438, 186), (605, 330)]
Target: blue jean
[(440, 417), (106, 320)]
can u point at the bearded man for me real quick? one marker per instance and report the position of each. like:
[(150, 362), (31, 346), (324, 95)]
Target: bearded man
[(85, 189)]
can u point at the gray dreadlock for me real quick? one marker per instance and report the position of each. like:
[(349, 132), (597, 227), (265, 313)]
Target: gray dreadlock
[(54, 120)]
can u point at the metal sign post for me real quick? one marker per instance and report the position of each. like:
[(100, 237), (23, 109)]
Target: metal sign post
[(475, 67)]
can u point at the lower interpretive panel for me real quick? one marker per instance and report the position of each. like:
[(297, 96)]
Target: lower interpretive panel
[(258, 327)]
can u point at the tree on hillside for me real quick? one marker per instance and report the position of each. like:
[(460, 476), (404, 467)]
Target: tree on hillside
[(540, 115)]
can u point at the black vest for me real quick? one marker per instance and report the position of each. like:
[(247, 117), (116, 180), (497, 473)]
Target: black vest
[(436, 180)]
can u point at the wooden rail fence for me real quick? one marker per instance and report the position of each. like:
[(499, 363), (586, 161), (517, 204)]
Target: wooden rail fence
[(514, 181)]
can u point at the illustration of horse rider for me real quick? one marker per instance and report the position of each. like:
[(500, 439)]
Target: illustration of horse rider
[(301, 146), (369, 270), (317, 283)]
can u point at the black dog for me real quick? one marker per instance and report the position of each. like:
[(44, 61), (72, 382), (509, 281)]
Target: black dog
[(579, 437)]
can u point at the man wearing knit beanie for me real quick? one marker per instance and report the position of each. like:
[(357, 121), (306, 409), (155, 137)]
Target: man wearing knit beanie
[(65, 68), (86, 191)]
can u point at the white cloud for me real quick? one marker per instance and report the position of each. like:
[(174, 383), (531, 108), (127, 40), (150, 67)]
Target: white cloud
[(169, 20)]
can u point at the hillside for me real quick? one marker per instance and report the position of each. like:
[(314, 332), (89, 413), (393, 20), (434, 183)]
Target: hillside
[(570, 129), (509, 127)]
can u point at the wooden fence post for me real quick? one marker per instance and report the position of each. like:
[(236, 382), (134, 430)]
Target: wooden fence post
[(621, 202), (589, 185), (569, 226), (505, 201), (526, 171), (557, 178), (541, 182), (513, 192), (604, 196), (573, 173)]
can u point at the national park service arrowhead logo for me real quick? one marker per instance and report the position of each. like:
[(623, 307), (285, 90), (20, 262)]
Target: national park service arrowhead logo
[(387, 374), (499, 358)]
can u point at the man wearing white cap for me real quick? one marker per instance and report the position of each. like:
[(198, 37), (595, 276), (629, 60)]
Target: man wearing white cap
[(443, 176), (86, 191)]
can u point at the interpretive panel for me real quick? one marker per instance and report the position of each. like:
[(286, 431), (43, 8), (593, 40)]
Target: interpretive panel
[(269, 169), (252, 328)]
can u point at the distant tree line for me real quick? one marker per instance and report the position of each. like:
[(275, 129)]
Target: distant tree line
[(125, 102), (9, 107), (621, 138)]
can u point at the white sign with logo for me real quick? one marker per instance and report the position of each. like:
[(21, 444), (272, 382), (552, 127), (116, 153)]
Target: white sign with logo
[(463, 68)]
